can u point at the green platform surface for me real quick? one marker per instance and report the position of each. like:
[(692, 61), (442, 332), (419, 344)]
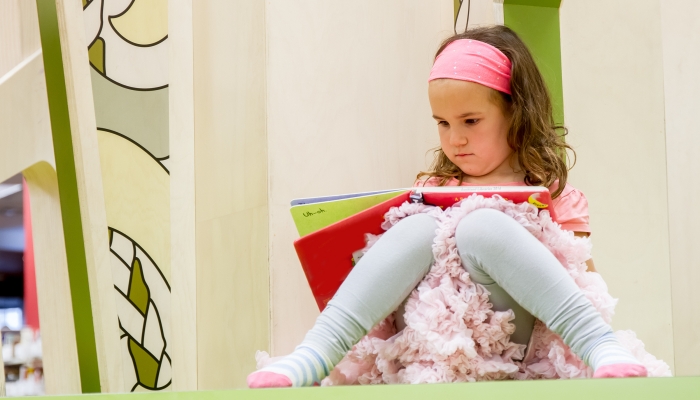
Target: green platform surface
[(589, 389)]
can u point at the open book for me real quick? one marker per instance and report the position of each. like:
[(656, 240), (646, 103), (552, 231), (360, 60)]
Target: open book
[(333, 228)]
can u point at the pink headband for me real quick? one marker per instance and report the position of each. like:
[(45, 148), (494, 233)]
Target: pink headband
[(473, 61)]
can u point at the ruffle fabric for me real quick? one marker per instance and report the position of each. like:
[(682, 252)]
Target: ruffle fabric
[(453, 335)]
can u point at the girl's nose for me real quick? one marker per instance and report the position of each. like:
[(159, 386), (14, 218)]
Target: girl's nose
[(457, 138)]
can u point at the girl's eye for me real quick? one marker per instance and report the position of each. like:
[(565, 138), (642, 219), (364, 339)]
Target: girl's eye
[(471, 121), (443, 123)]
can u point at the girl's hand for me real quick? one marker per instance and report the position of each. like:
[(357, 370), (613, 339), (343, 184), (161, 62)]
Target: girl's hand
[(589, 262)]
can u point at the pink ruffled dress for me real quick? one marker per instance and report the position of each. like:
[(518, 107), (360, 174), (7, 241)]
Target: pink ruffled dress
[(453, 335)]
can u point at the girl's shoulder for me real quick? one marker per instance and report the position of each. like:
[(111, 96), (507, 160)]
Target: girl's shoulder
[(571, 208), (569, 194)]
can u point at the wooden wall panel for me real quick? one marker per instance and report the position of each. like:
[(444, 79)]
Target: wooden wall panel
[(182, 195), (81, 112), (128, 52), (19, 33), (25, 134), (347, 111), (231, 195), (59, 347), (681, 53), (25, 109), (614, 107)]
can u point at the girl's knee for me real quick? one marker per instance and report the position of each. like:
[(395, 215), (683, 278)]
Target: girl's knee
[(482, 227), (418, 227), (418, 222)]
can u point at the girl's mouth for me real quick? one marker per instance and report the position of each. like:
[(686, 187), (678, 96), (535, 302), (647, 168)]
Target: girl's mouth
[(464, 154)]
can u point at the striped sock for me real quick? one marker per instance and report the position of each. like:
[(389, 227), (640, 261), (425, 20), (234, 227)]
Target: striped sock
[(304, 367), (607, 350)]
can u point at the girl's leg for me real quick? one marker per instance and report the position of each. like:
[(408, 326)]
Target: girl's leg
[(380, 281), (500, 253)]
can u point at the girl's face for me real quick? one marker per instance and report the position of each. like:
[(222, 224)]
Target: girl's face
[(473, 130)]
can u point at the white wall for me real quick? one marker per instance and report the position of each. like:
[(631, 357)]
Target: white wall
[(347, 110), (614, 106), (680, 33)]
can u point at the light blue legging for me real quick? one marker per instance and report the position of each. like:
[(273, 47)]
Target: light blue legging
[(499, 253)]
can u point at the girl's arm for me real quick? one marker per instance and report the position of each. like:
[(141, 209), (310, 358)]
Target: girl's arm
[(589, 262)]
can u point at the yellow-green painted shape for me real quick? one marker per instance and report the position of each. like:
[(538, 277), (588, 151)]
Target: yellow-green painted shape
[(138, 291), (146, 365), (96, 54)]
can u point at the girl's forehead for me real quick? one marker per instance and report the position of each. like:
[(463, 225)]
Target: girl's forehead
[(456, 88), (451, 94)]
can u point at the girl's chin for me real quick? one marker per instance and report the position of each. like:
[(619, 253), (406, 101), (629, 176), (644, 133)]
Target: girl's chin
[(473, 172)]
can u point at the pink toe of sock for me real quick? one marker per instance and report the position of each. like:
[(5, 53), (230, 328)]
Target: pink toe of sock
[(620, 371), (265, 379)]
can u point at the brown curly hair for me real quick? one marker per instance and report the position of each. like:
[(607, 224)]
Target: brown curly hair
[(533, 134)]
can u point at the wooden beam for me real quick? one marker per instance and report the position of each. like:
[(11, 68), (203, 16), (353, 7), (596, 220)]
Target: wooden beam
[(81, 113), (182, 197), (59, 347), (231, 190), (25, 132)]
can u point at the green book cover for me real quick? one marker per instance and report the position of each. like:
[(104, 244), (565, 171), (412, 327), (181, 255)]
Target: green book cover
[(312, 217)]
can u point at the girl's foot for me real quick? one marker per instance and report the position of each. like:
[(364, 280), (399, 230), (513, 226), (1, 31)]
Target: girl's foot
[(266, 379), (620, 371), (610, 360), (304, 367)]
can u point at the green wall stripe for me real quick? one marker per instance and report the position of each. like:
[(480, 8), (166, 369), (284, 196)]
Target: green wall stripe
[(68, 192), (536, 3), (537, 24)]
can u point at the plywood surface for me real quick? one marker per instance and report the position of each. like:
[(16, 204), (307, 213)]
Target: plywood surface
[(182, 195), (59, 347), (25, 134), (24, 108), (347, 111), (231, 189), (614, 107), (19, 32), (90, 192), (681, 44)]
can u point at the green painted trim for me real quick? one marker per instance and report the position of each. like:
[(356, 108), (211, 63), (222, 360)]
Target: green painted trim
[(68, 191), (535, 3), (538, 27), (572, 389)]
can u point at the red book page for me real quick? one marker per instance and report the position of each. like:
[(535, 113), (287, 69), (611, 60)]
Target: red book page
[(326, 255)]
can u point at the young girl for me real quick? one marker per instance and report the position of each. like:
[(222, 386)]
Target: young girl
[(494, 118)]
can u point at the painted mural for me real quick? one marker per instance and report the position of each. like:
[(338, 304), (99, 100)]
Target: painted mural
[(129, 66)]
